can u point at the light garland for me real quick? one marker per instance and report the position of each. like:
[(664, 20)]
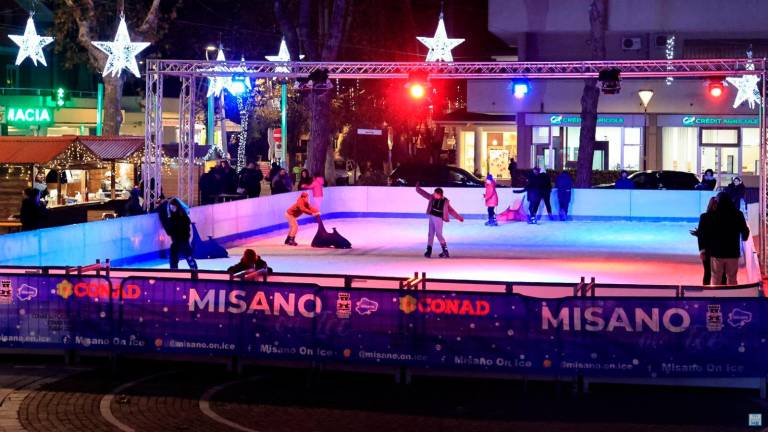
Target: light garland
[(122, 52), (669, 53), (31, 44), (440, 45), (746, 86)]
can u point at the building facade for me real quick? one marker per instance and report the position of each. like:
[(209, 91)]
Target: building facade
[(683, 126)]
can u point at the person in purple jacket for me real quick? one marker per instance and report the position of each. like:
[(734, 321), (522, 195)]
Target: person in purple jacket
[(438, 211)]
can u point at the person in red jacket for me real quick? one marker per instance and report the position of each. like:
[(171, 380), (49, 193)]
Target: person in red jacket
[(317, 190), (491, 200), (438, 210), (301, 206)]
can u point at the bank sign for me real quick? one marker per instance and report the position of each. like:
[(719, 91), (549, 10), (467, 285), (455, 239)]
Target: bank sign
[(575, 120), (27, 116), (693, 120)]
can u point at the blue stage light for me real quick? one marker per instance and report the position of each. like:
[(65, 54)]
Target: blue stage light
[(520, 88)]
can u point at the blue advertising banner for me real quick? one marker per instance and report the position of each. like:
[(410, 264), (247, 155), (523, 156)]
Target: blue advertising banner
[(467, 331)]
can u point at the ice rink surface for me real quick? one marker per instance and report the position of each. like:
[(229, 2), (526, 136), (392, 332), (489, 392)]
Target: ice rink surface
[(659, 253)]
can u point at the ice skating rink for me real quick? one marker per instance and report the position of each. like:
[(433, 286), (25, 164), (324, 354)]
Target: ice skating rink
[(659, 253)]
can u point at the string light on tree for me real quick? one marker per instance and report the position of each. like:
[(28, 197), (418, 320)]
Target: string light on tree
[(31, 44), (670, 54), (746, 86), (440, 45), (122, 52)]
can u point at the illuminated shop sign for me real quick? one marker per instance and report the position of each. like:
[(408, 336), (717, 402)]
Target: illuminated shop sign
[(560, 119), (719, 121), (25, 116)]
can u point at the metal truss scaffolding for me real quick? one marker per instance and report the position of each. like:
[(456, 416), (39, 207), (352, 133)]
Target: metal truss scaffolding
[(189, 70)]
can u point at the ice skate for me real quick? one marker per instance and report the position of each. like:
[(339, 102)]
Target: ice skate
[(291, 241), (444, 253), (428, 252)]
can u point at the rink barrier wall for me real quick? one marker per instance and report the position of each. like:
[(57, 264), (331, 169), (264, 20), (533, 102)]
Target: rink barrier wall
[(140, 238)]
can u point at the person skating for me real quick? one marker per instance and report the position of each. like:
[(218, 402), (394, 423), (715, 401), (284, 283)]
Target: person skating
[(302, 206), (491, 200), (316, 186), (545, 184), (736, 191), (534, 191), (723, 234), (564, 185), (174, 216), (701, 233), (438, 211)]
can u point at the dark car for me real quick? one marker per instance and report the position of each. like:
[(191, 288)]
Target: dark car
[(670, 180), (433, 176)]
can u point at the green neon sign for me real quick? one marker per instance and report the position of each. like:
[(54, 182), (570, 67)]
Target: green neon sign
[(719, 121), (24, 116), (560, 119)]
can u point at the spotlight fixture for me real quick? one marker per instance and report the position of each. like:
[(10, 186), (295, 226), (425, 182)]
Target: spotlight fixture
[(610, 80)]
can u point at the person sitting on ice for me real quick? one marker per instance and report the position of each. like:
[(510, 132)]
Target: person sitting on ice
[(438, 211), (491, 200), (249, 261), (302, 206)]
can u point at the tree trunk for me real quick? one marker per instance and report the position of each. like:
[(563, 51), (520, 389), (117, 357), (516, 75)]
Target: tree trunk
[(320, 133), (112, 115), (598, 16)]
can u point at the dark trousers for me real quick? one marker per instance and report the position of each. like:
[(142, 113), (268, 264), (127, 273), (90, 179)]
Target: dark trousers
[(491, 214), (545, 196), (534, 199), (564, 201), (707, 263), (182, 248)]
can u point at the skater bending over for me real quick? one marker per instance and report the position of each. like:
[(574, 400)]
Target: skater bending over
[(301, 206), (438, 211), (174, 218), (491, 200)]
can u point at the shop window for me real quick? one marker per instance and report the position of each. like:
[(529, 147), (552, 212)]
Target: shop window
[(632, 146), (468, 151), (719, 136), (572, 144), (541, 135), (613, 136), (679, 146), (750, 151)]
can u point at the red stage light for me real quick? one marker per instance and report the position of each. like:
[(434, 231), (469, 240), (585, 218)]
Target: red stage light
[(417, 90), (715, 89)]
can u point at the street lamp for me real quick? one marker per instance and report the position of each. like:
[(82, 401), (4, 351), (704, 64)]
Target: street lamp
[(209, 48), (645, 99)]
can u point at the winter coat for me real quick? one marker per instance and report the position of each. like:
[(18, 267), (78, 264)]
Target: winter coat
[(448, 210), (544, 183), (33, 214), (624, 183), (721, 233), (302, 206), (177, 225), (250, 180), (491, 197), (281, 184), (241, 266), (316, 187), (707, 184), (564, 182), (736, 193)]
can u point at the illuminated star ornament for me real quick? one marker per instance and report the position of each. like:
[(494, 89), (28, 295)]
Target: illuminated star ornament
[(30, 44), (122, 52), (440, 46), (746, 86), (283, 56), (217, 84)]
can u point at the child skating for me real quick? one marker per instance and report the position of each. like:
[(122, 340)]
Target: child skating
[(491, 200), (438, 211)]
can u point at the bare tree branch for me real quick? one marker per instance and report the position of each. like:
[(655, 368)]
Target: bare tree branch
[(309, 43), (84, 34), (335, 31), (148, 29), (287, 28)]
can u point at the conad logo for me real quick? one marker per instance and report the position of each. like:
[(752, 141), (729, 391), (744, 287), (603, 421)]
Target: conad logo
[(443, 306), (94, 290)]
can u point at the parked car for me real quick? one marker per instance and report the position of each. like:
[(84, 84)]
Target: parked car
[(432, 176), (671, 180)]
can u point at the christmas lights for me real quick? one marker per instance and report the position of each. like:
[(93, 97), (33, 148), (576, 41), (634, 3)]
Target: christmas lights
[(282, 56), (746, 86), (122, 52), (670, 54), (440, 45), (31, 44)]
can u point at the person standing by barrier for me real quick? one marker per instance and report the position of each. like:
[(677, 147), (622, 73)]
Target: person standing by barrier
[(491, 200), (32, 213), (708, 181), (302, 206), (564, 185), (249, 181), (533, 191), (737, 192), (438, 211), (624, 182), (702, 236), (723, 234), (174, 216), (282, 183), (316, 186), (512, 171)]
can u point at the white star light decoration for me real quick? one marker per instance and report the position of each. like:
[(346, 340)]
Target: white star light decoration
[(217, 84), (122, 52), (283, 56), (746, 86), (30, 44), (440, 46)]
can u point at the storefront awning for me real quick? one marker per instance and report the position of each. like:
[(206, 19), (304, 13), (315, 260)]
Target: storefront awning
[(113, 148), (32, 150)]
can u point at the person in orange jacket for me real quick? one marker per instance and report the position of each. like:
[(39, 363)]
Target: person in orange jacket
[(438, 210), (302, 206)]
